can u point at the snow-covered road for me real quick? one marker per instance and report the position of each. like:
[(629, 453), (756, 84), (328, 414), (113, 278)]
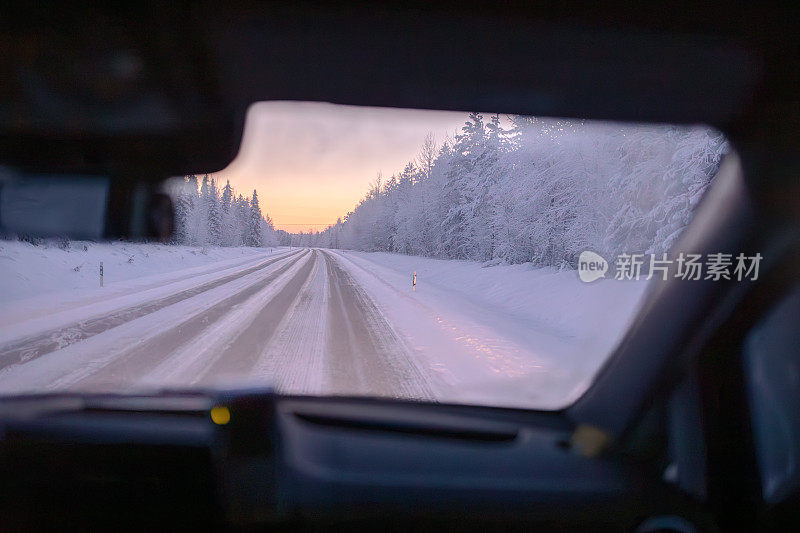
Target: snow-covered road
[(297, 321), (315, 321)]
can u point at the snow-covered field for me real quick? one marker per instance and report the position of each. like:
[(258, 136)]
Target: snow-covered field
[(30, 270), (309, 321)]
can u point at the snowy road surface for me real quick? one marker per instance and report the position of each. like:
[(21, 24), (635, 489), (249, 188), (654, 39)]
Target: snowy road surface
[(306, 321)]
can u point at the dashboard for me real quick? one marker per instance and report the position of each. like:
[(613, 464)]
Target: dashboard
[(239, 459)]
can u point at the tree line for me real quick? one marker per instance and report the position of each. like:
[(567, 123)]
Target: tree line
[(535, 190), (208, 216)]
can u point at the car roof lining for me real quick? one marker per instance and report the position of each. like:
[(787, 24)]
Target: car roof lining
[(206, 62)]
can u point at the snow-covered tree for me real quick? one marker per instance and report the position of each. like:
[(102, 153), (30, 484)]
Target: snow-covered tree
[(185, 201), (208, 217), (537, 190), (254, 236), (514, 189), (214, 210)]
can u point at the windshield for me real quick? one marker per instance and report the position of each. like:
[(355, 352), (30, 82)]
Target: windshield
[(473, 258)]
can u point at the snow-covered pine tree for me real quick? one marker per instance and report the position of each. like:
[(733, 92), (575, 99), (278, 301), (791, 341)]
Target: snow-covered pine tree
[(227, 196), (268, 231), (242, 218), (185, 202), (407, 210), (459, 196), (436, 207), (488, 170), (254, 231), (215, 228), (201, 215), (230, 233)]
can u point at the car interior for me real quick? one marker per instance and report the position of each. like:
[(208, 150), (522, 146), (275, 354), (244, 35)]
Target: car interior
[(691, 424)]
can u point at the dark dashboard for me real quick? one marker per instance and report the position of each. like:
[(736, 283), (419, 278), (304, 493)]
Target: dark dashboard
[(262, 459)]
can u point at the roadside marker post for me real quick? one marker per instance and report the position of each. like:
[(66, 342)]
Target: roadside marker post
[(101, 273), (414, 282)]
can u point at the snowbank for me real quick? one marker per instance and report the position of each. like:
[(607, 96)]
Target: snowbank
[(28, 271), (525, 336), (556, 300)]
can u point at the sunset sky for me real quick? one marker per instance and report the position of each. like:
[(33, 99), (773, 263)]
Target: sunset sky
[(312, 162)]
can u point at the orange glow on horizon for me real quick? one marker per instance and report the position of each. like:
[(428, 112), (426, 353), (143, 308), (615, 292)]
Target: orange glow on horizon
[(314, 205), (312, 162)]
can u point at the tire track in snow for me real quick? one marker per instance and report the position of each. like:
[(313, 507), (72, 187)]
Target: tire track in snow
[(30, 348), (126, 366), (134, 285), (306, 324), (292, 362), (238, 358), (363, 354), (221, 340)]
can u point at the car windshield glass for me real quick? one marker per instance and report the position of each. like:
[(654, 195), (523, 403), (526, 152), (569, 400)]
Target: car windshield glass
[(476, 258)]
